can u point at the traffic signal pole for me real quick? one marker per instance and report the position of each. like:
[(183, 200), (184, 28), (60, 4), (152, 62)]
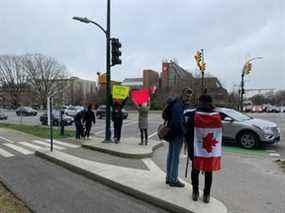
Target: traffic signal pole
[(242, 90), (203, 73), (108, 76)]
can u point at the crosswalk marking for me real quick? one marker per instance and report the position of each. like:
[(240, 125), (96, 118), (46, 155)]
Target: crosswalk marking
[(5, 154), (6, 139), (18, 149), (64, 144), (47, 144), (32, 146)]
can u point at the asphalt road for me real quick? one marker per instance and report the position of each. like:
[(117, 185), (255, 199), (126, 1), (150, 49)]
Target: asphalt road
[(250, 181)]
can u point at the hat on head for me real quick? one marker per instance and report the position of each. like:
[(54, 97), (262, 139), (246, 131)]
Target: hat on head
[(206, 99), (187, 90)]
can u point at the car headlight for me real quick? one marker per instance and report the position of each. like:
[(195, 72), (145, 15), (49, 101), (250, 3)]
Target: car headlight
[(265, 130)]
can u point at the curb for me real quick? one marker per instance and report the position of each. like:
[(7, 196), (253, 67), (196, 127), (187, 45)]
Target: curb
[(130, 191), (154, 200), (124, 154)]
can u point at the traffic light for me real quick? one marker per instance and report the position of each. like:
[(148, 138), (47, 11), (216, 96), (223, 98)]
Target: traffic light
[(116, 52), (198, 57), (248, 67)]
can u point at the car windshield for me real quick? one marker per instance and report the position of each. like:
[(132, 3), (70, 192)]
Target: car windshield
[(236, 115)]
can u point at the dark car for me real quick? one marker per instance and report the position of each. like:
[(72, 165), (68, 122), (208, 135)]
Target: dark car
[(26, 111), (67, 120), (101, 112), (3, 116)]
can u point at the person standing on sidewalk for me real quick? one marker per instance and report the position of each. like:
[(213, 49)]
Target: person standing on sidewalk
[(204, 138), (143, 122), (78, 124), (118, 117), (173, 115), (89, 118)]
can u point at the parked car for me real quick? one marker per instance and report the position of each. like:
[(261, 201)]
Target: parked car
[(67, 120), (247, 131), (3, 116), (101, 112), (274, 109), (73, 110), (26, 111), (257, 108)]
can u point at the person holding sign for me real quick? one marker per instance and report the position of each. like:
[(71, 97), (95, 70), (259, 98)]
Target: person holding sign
[(143, 122), (204, 138)]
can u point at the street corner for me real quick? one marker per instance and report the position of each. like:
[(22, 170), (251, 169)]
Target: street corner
[(146, 185), (128, 148)]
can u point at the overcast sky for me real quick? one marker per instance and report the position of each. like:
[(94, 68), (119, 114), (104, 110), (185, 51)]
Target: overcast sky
[(230, 31)]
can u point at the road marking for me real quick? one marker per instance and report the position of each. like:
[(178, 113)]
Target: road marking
[(63, 144), (152, 135), (6, 139), (274, 155), (18, 149), (35, 147), (124, 125), (5, 154), (48, 145)]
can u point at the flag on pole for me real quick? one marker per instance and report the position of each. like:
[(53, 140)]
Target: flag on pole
[(207, 141)]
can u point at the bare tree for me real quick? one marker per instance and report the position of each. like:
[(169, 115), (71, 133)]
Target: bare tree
[(46, 76), (12, 78)]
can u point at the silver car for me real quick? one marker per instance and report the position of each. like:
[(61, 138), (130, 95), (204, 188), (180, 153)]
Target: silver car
[(247, 131)]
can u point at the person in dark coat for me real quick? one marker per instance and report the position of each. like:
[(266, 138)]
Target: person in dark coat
[(118, 117), (78, 124), (89, 118), (175, 121), (205, 105), (143, 122)]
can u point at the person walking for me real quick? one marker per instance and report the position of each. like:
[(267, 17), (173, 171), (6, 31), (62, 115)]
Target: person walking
[(173, 115), (118, 117), (143, 122), (78, 124), (89, 118), (204, 139)]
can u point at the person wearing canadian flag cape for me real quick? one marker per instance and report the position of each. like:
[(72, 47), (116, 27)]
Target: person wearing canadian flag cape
[(204, 139)]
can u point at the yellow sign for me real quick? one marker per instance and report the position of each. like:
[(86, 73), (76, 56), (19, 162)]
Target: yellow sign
[(120, 92)]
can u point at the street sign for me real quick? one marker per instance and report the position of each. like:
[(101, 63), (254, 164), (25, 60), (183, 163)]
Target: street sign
[(120, 92)]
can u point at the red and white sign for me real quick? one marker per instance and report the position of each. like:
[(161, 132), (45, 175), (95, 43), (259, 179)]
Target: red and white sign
[(207, 141)]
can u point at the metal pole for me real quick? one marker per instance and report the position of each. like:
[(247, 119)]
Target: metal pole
[(242, 91), (203, 74), (50, 119), (108, 76)]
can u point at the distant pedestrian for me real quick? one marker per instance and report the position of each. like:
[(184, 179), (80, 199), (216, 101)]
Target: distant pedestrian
[(118, 117), (79, 129), (204, 138), (173, 115), (143, 122), (88, 119)]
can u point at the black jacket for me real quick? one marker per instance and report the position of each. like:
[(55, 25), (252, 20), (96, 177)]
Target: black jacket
[(189, 124), (117, 108), (89, 117)]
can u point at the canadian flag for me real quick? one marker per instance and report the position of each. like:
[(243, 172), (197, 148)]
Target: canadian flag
[(207, 141)]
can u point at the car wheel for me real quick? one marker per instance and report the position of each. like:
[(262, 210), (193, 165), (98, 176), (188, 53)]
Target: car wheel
[(248, 140)]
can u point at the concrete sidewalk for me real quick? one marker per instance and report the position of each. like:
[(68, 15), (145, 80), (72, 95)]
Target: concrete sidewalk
[(145, 184)]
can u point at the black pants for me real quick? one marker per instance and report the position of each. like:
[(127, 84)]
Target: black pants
[(78, 128), (144, 133), (195, 180), (87, 130), (118, 123)]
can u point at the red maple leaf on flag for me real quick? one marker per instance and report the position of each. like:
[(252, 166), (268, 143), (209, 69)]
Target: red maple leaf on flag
[(209, 141)]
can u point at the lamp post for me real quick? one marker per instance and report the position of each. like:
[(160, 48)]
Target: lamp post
[(108, 67), (242, 92)]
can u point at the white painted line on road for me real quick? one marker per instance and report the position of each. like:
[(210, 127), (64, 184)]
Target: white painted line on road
[(18, 149), (48, 145), (274, 155), (5, 154), (152, 135), (6, 139), (63, 144), (32, 146), (124, 125)]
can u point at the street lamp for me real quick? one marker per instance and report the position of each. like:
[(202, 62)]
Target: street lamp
[(242, 79), (108, 67)]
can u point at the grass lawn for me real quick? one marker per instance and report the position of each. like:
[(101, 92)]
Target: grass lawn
[(38, 130), (9, 203)]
